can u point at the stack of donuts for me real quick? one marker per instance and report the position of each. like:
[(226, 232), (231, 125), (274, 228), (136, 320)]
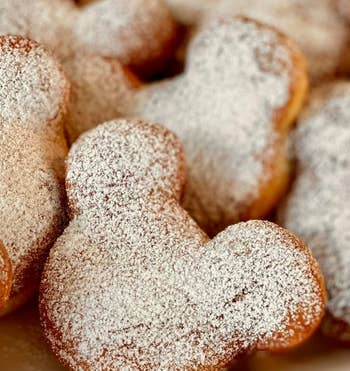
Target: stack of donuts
[(174, 177)]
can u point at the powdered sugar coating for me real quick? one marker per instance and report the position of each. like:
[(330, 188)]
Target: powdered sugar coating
[(46, 21), (317, 208), (138, 32), (318, 27), (224, 108), (33, 96), (133, 283), (105, 27), (32, 84)]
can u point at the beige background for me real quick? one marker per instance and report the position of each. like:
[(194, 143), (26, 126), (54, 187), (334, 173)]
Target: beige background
[(22, 348)]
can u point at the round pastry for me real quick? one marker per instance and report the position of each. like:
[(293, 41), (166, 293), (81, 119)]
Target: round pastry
[(46, 21), (140, 33), (232, 109), (134, 283), (317, 26), (5, 275), (33, 98), (317, 207)]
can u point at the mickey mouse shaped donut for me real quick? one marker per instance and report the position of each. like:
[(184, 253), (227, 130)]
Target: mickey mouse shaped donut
[(33, 99), (232, 109), (134, 283), (317, 208), (91, 42), (319, 27), (140, 33)]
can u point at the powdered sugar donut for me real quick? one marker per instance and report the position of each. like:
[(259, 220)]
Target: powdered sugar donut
[(5, 275), (46, 21), (134, 283), (232, 109), (140, 33), (317, 26), (317, 208), (33, 98)]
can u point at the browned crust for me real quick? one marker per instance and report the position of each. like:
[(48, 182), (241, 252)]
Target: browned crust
[(54, 132), (295, 322), (5, 275), (276, 173), (301, 334), (153, 60)]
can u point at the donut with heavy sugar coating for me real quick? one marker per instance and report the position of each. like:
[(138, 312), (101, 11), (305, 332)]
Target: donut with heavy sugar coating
[(317, 208), (33, 99), (92, 42), (319, 27), (134, 283), (232, 109), (140, 33)]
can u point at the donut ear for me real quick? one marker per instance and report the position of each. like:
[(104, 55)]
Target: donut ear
[(108, 159), (33, 90), (141, 34), (216, 48)]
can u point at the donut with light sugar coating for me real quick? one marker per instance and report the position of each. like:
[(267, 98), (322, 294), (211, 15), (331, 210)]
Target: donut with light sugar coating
[(319, 27), (317, 208)]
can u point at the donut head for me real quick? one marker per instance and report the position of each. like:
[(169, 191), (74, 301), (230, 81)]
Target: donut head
[(319, 27), (94, 43), (33, 98), (316, 208), (232, 108), (142, 34), (33, 86), (133, 282)]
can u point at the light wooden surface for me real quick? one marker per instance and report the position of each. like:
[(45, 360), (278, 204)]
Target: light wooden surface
[(23, 348)]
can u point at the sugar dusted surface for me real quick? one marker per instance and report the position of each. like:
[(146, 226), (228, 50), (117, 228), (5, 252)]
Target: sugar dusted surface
[(223, 110), (317, 208), (46, 21), (133, 31), (32, 98), (31, 84), (105, 27), (133, 283), (315, 25), (318, 26)]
